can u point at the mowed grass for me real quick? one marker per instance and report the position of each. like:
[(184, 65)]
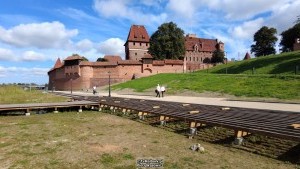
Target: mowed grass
[(267, 86), (14, 95), (99, 140), (284, 63)]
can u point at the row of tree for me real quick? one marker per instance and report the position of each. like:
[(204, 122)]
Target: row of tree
[(265, 40)]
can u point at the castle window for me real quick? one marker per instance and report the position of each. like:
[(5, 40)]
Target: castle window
[(146, 44), (196, 48), (140, 44), (133, 43), (135, 54)]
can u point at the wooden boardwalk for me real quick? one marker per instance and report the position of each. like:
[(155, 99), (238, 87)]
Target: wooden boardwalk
[(37, 106), (243, 121)]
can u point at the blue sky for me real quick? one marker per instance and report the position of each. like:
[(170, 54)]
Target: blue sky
[(34, 33)]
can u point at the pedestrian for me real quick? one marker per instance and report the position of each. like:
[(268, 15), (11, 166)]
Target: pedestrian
[(157, 91), (162, 89), (94, 90)]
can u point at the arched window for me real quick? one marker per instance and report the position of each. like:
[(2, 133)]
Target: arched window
[(196, 48)]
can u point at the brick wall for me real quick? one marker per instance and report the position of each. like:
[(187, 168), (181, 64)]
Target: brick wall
[(99, 75)]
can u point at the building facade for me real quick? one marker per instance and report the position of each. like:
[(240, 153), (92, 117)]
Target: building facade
[(76, 74), (296, 45)]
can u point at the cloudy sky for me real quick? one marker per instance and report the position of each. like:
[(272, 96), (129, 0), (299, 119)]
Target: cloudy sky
[(34, 33)]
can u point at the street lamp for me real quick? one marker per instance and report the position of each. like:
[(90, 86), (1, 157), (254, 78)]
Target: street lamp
[(71, 85), (109, 84)]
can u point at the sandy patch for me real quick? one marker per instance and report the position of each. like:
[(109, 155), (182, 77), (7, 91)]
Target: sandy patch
[(106, 148)]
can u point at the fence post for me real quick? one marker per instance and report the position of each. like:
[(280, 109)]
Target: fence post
[(296, 69), (226, 70), (253, 70)]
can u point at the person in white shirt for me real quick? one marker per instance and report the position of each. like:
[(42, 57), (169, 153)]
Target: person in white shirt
[(157, 90), (94, 90), (162, 89)]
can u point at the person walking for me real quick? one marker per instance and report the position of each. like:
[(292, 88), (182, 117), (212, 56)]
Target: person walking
[(162, 89), (94, 90), (157, 90)]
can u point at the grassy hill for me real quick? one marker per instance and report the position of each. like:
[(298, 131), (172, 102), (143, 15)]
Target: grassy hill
[(284, 63), (274, 78)]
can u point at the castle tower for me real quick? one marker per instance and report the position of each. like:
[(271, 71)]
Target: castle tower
[(137, 44), (247, 56)]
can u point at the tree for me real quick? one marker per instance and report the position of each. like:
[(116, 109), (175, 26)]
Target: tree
[(218, 56), (84, 58), (167, 42), (288, 38), (298, 19), (265, 40), (101, 60)]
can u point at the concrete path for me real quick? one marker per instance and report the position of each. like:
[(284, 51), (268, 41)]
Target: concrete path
[(209, 101)]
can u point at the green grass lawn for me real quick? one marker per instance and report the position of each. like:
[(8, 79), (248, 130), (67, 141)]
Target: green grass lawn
[(15, 95), (284, 63), (100, 140), (268, 86)]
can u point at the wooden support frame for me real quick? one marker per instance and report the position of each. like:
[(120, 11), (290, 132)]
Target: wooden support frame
[(240, 133)]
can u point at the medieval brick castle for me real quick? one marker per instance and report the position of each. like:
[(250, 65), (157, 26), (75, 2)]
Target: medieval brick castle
[(78, 74)]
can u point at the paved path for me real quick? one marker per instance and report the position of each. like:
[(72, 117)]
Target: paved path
[(210, 101)]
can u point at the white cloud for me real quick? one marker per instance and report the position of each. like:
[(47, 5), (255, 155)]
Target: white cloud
[(247, 29), (237, 10), (6, 54), (40, 35), (22, 74), (84, 45), (112, 46), (284, 16), (24, 71), (124, 9), (33, 56), (184, 9), (2, 72)]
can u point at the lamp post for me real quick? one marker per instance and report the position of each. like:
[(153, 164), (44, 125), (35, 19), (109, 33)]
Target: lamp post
[(71, 85), (109, 84), (52, 85)]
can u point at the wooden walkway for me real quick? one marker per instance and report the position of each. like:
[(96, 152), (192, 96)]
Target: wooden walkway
[(243, 121), (280, 124), (37, 106)]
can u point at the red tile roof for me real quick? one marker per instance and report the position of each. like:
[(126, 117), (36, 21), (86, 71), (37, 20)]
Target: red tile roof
[(87, 63), (74, 57), (58, 64), (147, 56), (204, 45), (138, 33), (247, 56), (112, 58), (129, 62), (173, 62), (158, 63)]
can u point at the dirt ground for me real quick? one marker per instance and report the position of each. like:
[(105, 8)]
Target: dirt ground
[(100, 140)]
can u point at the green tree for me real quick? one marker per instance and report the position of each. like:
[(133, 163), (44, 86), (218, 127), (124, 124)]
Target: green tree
[(288, 38), (167, 42), (101, 60), (298, 19), (84, 58), (265, 40), (218, 56)]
